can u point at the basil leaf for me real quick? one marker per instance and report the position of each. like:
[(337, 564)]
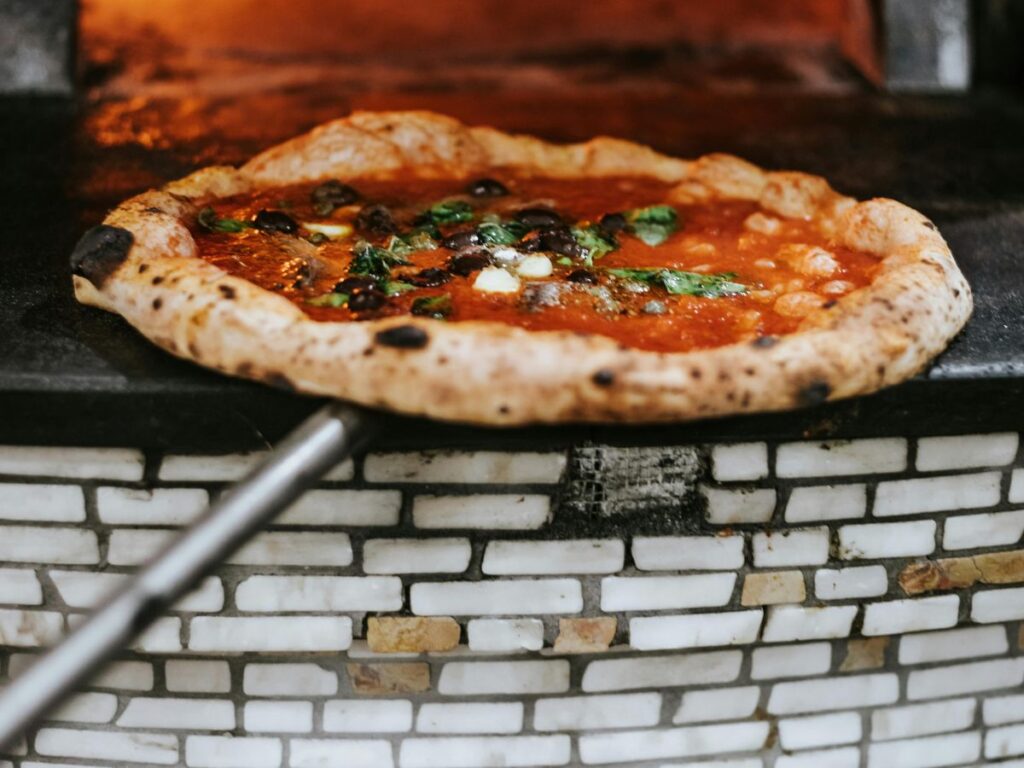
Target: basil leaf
[(450, 212), (681, 283), (395, 287), (594, 242), (329, 300), (501, 233), (653, 224), (437, 307), (373, 261), (417, 240), (208, 220)]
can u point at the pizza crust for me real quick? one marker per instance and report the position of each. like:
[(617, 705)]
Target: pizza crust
[(491, 373)]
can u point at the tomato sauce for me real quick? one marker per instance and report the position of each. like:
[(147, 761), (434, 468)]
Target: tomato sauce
[(787, 267)]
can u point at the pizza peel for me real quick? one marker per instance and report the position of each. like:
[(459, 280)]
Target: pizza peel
[(326, 438)]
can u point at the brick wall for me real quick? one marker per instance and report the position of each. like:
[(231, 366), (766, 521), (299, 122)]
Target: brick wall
[(796, 605)]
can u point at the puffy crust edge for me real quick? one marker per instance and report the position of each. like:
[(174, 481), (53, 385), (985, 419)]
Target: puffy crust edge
[(490, 373)]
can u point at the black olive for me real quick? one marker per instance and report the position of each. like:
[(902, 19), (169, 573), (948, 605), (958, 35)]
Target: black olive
[(275, 221), (461, 240), (530, 245), (584, 276), (535, 218), (429, 278), (468, 263), (376, 220), (559, 240), (367, 300), (487, 188), (353, 285), (611, 223), (335, 193)]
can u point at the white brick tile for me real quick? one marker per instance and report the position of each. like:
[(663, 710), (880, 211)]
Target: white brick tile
[(479, 717), (832, 693), (28, 629), (696, 631), (27, 544), (717, 704), (499, 677), (278, 716), (505, 635), (871, 542), (846, 583), (999, 710), (289, 680), (591, 713), (844, 757), (161, 506), (344, 507), (359, 716), (662, 671), (929, 752), (327, 753), (155, 748), (301, 548), (131, 546), (473, 751), (85, 589), (739, 461), (446, 555), (464, 467), (198, 676), (736, 762), (162, 636), (633, 746), (1004, 742), (936, 494), (19, 586), (1016, 487), (781, 549), (800, 660), (989, 529), (853, 457), (232, 752), (280, 594), (820, 730), (86, 708), (503, 558), (230, 466), (965, 678), (125, 675), (35, 503), (967, 643), (787, 623), (179, 714), (743, 505), (826, 502), (491, 511), (966, 451), (487, 598), (992, 605), (269, 634), (688, 553), (651, 593), (922, 719), (897, 617), (87, 463)]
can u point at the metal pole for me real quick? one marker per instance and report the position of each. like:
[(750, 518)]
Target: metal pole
[(328, 436)]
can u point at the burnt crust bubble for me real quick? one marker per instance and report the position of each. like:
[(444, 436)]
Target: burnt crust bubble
[(100, 251), (403, 337)]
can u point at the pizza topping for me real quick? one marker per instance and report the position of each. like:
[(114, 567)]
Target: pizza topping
[(487, 188), (367, 300), (582, 276), (275, 221), (612, 223), (461, 240), (374, 261), (467, 263), (653, 224), (678, 282), (429, 278), (376, 220), (447, 212), (496, 280), (534, 266), (437, 307), (537, 218), (329, 231), (330, 195), (209, 221)]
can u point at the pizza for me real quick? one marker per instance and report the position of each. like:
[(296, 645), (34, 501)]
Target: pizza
[(407, 261)]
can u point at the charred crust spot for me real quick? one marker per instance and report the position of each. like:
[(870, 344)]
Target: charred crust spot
[(227, 291), (930, 225), (403, 337), (101, 251), (157, 303), (157, 280), (603, 378), (503, 409), (696, 373), (368, 352), (814, 393), (153, 209), (956, 293), (279, 380), (143, 268), (750, 371), (764, 342), (829, 304), (244, 369)]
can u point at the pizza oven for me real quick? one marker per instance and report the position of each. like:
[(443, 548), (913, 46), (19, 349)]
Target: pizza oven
[(841, 585)]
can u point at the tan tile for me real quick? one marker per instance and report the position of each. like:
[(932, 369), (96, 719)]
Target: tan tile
[(1001, 567), (961, 572), (585, 635), (864, 654), (773, 588), (380, 679), (411, 634)]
